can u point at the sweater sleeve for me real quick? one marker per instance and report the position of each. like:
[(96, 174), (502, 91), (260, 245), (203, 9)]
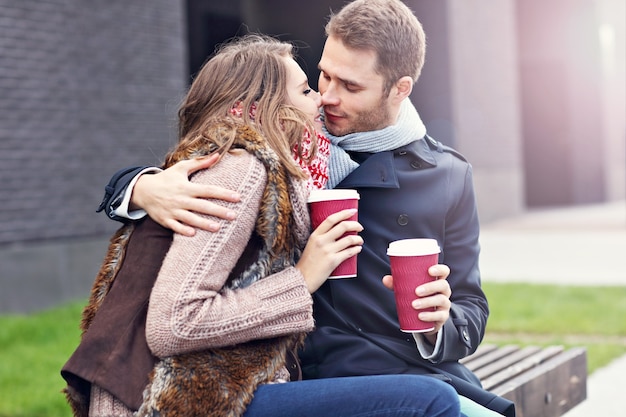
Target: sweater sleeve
[(189, 307)]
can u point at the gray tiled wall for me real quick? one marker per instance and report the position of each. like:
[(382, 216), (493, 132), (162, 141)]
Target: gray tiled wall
[(86, 88)]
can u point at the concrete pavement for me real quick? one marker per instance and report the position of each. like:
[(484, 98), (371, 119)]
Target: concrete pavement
[(573, 246), (583, 245)]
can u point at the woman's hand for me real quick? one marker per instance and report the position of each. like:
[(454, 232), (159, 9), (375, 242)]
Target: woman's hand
[(174, 202), (328, 246)]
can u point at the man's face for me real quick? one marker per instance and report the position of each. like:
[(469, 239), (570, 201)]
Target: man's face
[(352, 91)]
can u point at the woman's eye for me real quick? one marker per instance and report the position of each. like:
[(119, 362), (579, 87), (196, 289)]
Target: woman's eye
[(307, 92)]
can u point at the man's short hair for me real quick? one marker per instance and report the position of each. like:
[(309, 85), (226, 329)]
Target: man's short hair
[(387, 27)]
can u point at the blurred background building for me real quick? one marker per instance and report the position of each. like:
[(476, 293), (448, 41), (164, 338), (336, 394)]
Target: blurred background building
[(532, 92)]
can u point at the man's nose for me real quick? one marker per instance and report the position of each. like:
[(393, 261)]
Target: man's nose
[(329, 97)]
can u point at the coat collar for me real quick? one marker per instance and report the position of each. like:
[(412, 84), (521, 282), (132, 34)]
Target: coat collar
[(378, 170)]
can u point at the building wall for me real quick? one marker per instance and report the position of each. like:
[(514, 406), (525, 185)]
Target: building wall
[(468, 95), (87, 88), (486, 105), (571, 55), (611, 21)]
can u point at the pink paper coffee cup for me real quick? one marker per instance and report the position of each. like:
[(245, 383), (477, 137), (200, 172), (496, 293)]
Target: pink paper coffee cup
[(410, 260), (323, 203)]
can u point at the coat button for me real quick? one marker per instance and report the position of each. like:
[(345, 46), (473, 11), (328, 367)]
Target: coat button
[(403, 219), (466, 335), (416, 164)]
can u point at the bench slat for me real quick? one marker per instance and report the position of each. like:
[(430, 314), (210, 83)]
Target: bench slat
[(482, 350), (513, 365), (547, 382), (475, 363)]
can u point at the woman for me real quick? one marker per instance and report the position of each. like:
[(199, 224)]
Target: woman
[(228, 309)]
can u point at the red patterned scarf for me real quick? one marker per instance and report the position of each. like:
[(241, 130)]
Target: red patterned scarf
[(317, 168)]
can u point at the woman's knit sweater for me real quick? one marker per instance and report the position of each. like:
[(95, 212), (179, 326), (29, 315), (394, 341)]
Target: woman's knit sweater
[(190, 309)]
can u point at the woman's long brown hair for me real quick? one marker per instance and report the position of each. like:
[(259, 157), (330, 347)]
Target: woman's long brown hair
[(250, 71)]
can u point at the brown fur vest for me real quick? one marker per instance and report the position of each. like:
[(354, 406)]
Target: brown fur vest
[(217, 382)]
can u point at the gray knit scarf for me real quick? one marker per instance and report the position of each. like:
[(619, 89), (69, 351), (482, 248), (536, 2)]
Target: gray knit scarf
[(407, 129)]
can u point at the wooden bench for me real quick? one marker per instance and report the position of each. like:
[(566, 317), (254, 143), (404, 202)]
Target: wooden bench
[(542, 382)]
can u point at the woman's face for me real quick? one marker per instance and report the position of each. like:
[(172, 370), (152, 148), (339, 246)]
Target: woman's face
[(300, 94)]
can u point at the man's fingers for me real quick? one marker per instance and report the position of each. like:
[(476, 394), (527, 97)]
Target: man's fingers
[(434, 287), (388, 281), (196, 164), (204, 191), (179, 228), (218, 193), (191, 207), (439, 271), (440, 301), (197, 221)]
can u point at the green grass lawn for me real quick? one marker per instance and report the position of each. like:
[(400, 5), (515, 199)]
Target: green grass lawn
[(34, 347), (542, 315)]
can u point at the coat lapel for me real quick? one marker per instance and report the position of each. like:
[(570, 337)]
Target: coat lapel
[(378, 170)]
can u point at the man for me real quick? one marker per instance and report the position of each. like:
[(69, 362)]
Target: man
[(410, 186)]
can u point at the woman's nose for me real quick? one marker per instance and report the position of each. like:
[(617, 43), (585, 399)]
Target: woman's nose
[(317, 97)]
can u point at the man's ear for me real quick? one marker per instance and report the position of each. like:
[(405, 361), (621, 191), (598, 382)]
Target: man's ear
[(402, 88)]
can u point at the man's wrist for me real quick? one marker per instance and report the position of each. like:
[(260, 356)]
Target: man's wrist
[(431, 337), (428, 350), (134, 202), (132, 209)]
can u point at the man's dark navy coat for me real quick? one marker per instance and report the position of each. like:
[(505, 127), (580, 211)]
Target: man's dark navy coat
[(423, 189)]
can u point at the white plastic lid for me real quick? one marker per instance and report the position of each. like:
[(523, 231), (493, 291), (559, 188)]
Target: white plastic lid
[(413, 247), (335, 194)]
